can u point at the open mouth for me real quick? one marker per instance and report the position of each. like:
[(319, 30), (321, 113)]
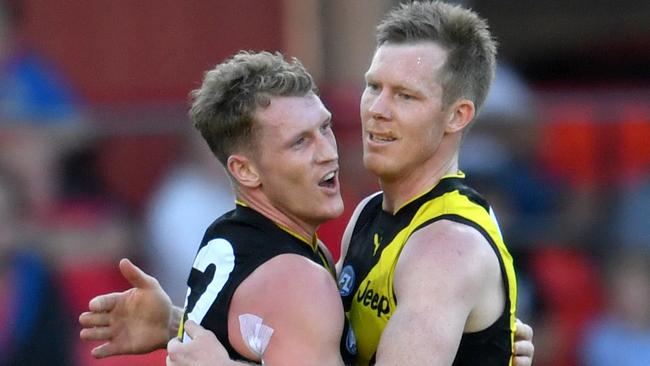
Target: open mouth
[(381, 138), (329, 180)]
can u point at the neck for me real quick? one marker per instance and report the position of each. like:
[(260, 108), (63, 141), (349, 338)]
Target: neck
[(403, 188), (259, 202)]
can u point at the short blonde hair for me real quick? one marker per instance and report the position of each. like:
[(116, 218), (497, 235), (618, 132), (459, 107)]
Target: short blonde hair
[(224, 106), (471, 61)]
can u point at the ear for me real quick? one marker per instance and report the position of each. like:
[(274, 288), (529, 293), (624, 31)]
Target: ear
[(244, 171), (461, 114)]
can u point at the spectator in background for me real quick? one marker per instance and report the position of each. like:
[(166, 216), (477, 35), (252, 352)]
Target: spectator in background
[(621, 335), (33, 95), (88, 231), (34, 321), (31, 89), (31, 155), (500, 156), (190, 196), (632, 222)]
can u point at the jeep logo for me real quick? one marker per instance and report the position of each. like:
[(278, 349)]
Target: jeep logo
[(374, 300)]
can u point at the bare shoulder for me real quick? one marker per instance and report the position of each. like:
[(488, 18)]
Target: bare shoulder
[(455, 253), (284, 282), (446, 282), (291, 294)]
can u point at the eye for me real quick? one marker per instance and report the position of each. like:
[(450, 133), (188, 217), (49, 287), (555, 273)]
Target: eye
[(299, 142), (326, 127), (405, 96), (372, 86)]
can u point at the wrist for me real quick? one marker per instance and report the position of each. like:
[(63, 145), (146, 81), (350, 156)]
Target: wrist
[(175, 319)]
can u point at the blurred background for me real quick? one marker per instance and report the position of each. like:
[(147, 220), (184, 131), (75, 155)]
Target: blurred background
[(98, 160)]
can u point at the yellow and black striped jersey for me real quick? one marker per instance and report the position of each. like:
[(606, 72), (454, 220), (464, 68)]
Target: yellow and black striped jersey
[(378, 237)]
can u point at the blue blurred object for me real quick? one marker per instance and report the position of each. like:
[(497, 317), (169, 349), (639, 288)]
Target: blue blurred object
[(33, 91), (37, 311)]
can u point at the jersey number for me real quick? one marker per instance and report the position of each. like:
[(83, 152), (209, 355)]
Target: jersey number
[(214, 262)]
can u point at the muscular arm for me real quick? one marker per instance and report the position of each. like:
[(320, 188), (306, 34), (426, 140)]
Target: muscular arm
[(524, 348), (299, 300), (205, 350), (443, 282)]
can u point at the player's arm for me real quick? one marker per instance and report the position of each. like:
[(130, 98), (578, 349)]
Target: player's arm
[(138, 320), (441, 275), (299, 300), (347, 234)]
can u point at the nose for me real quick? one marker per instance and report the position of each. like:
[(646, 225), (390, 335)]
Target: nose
[(326, 150), (378, 106)]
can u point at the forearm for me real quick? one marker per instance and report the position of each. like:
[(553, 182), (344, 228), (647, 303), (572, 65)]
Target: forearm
[(413, 339)]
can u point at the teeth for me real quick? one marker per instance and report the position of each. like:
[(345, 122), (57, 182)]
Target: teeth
[(329, 176), (382, 139)]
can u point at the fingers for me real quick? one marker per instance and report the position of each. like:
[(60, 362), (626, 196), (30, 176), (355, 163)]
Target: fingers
[(103, 303), (136, 277), (524, 349), (173, 349), (192, 329), (200, 350), (522, 361), (523, 331), (91, 319), (173, 345), (95, 334), (103, 351)]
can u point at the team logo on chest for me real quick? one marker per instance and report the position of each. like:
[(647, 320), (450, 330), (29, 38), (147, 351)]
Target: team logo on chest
[(376, 242), (372, 298), (346, 280), (351, 342)]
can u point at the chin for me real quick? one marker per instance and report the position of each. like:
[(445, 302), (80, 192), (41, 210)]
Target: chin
[(339, 211), (375, 165), (332, 212), (336, 211)]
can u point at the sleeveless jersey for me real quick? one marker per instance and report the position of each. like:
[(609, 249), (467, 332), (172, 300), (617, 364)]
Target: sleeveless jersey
[(234, 246), (366, 279)]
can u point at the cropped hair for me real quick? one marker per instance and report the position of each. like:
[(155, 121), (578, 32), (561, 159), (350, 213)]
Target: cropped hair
[(471, 50), (223, 108)]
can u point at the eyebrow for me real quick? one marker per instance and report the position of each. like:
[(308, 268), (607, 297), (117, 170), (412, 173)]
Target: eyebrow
[(368, 76)]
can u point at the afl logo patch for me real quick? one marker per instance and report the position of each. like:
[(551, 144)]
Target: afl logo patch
[(351, 342), (346, 280)]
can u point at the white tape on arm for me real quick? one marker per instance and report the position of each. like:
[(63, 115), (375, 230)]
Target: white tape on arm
[(256, 335)]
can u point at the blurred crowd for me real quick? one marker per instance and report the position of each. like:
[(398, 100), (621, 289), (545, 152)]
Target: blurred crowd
[(571, 190)]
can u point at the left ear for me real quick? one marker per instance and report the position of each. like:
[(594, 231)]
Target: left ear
[(461, 114)]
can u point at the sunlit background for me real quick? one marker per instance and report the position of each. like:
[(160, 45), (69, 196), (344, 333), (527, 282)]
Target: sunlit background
[(98, 160)]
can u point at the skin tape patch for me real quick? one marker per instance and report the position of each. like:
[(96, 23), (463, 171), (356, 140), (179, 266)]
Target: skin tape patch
[(256, 335)]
